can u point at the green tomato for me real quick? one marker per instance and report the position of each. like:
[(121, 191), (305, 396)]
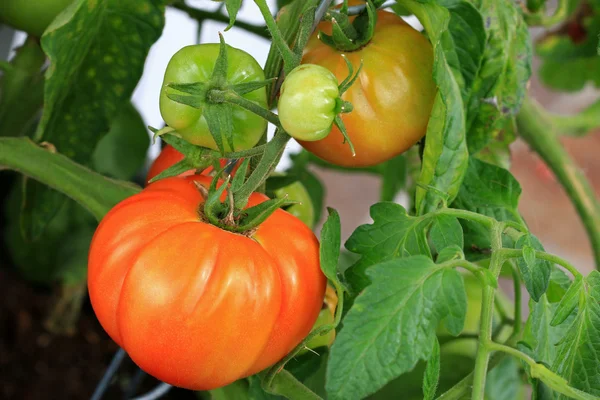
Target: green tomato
[(195, 64), (304, 210), (308, 102), (31, 16)]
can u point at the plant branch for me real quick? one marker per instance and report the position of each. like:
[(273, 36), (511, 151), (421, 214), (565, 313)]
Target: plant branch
[(273, 151), (234, 98), (513, 253), (536, 129), (290, 59), (518, 325), (487, 316), (539, 371), (93, 191), (202, 15)]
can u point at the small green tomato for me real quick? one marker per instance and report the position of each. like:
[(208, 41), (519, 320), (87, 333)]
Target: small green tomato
[(308, 102), (304, 209)]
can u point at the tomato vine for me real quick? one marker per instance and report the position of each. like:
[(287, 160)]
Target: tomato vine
[(431, 114)]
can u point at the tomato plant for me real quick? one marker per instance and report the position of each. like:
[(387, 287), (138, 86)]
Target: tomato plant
[(218, 284)]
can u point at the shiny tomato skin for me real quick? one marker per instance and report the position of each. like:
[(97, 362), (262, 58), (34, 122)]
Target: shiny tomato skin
[(194, 305), (392, 96), (169, 156)]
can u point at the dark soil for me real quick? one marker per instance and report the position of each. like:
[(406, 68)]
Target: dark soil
[(36, 365)]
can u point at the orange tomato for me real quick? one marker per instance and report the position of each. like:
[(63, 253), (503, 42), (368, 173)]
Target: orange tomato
[(192, 304), (392, 96)]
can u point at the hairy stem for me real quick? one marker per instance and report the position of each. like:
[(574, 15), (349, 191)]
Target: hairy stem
[(536, 129), (234, 98), (554, 381), (513, 253), (290, 60), (91, 190), (518, 325), (266, 165), (487, 316)]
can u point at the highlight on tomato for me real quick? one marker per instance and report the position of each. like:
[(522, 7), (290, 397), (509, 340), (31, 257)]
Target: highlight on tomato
[(392, 97), (194, 305)]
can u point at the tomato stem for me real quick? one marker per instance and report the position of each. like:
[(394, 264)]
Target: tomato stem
[(487, 315), (234, 98), (202, 15), (539, 370), (536, 129), (91, 190), (290, 59)]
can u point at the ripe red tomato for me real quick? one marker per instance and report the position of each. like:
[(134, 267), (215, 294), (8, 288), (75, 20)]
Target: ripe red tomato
[(170, 156), (194, 305), (392, 96)]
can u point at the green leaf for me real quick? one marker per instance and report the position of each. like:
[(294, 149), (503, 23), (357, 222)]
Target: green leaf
[(392, 325), (578, 354), (311, 183), (501, 80), (330, 245), (504, 381), (534, 272), (122, 152), (570, 56), (218, 78), (247, 87), (452, 252), (432, 373), (174, 170), (97, 51), (538, 335), (393, 234), (488, 190), (568, 303), (256, 215), (233, 6), (393, 178), (72, 257), (22, 94), (446, 231), (219, 118), (445, 156)]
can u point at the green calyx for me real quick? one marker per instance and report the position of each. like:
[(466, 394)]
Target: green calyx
[(216, 97), (226, 215), (350, 36)]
